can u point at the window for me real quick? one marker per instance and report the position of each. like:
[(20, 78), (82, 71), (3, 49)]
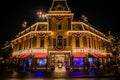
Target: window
[(59, 27), (19, 46), (41, 62), (77, 42), (59, 41), (41, 42), (85, 41), (54, 42), (70, 40), (78, 62), (65, 43), (34, 41), (30, 42), (95, 44), (89, 43)]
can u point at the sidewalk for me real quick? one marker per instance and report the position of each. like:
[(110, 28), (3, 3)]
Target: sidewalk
[(93, 75), (74, 74)]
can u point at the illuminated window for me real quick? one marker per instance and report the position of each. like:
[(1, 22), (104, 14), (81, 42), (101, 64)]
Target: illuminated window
[(41, 62), (78, 62)]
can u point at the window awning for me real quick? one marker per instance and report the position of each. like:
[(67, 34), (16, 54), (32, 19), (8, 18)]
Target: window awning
[(79, 55), (102, 56), (11, 57), (26, 56), (21, 55), (40, 55), (95, 55)]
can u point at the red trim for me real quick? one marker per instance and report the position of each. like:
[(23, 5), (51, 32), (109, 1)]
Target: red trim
[(26, 56), (11, 57), (101, 56), (80, 55), (40, 55), (21, 55), (95, 55)]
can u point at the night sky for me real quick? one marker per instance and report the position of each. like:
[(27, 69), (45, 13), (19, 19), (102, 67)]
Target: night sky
[(102, 14)]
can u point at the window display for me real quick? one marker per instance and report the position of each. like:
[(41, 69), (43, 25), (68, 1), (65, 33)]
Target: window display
[(41, 62), (78, 61), (90, 61), (29, 61)]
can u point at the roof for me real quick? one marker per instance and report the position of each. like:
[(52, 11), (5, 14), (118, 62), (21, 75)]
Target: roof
[(59, 5)]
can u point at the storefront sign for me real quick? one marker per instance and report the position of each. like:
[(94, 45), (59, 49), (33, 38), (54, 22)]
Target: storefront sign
[(39, 51), (80, 50), (15, 53)]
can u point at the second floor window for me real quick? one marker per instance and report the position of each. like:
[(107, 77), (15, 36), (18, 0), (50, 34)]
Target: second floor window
[(77, 42), (41, 42), (59, 27)]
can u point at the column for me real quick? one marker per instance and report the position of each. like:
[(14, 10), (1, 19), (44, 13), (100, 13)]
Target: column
[(38, 42)]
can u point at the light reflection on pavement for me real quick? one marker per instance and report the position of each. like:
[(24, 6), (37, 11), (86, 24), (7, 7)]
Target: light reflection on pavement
[(62, 79)]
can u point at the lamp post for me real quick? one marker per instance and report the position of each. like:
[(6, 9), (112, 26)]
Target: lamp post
[(41, 15)]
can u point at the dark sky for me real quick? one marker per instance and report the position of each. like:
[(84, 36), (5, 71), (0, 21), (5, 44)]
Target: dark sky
[(103, 14)]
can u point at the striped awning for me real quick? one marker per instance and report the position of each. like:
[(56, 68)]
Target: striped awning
[(79, 55), (40, 55), (96, 55)]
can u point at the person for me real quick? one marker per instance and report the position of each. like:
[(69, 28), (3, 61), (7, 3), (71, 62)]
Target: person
[(87, 65)]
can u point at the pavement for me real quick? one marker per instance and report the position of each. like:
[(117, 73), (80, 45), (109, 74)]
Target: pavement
[(58, 74)]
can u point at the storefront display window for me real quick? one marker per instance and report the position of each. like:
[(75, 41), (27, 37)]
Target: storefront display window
[(29, 61), (78, 61), (90, 61), (41, 62)]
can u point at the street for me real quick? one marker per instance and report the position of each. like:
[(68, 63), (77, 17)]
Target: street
[(54, 76)]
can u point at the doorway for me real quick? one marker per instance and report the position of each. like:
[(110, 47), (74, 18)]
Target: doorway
[(60, 61)]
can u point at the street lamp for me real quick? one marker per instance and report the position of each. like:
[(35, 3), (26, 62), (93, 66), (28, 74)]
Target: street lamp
[(24, 24), (41, 15)]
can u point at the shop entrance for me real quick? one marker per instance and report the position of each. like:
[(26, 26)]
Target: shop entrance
[(60, 61)]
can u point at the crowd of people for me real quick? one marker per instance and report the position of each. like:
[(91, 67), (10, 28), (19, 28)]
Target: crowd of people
[(17, 65), (98, 67), (12, 65)]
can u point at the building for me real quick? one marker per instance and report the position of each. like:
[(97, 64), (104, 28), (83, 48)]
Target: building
[(60, 42)]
